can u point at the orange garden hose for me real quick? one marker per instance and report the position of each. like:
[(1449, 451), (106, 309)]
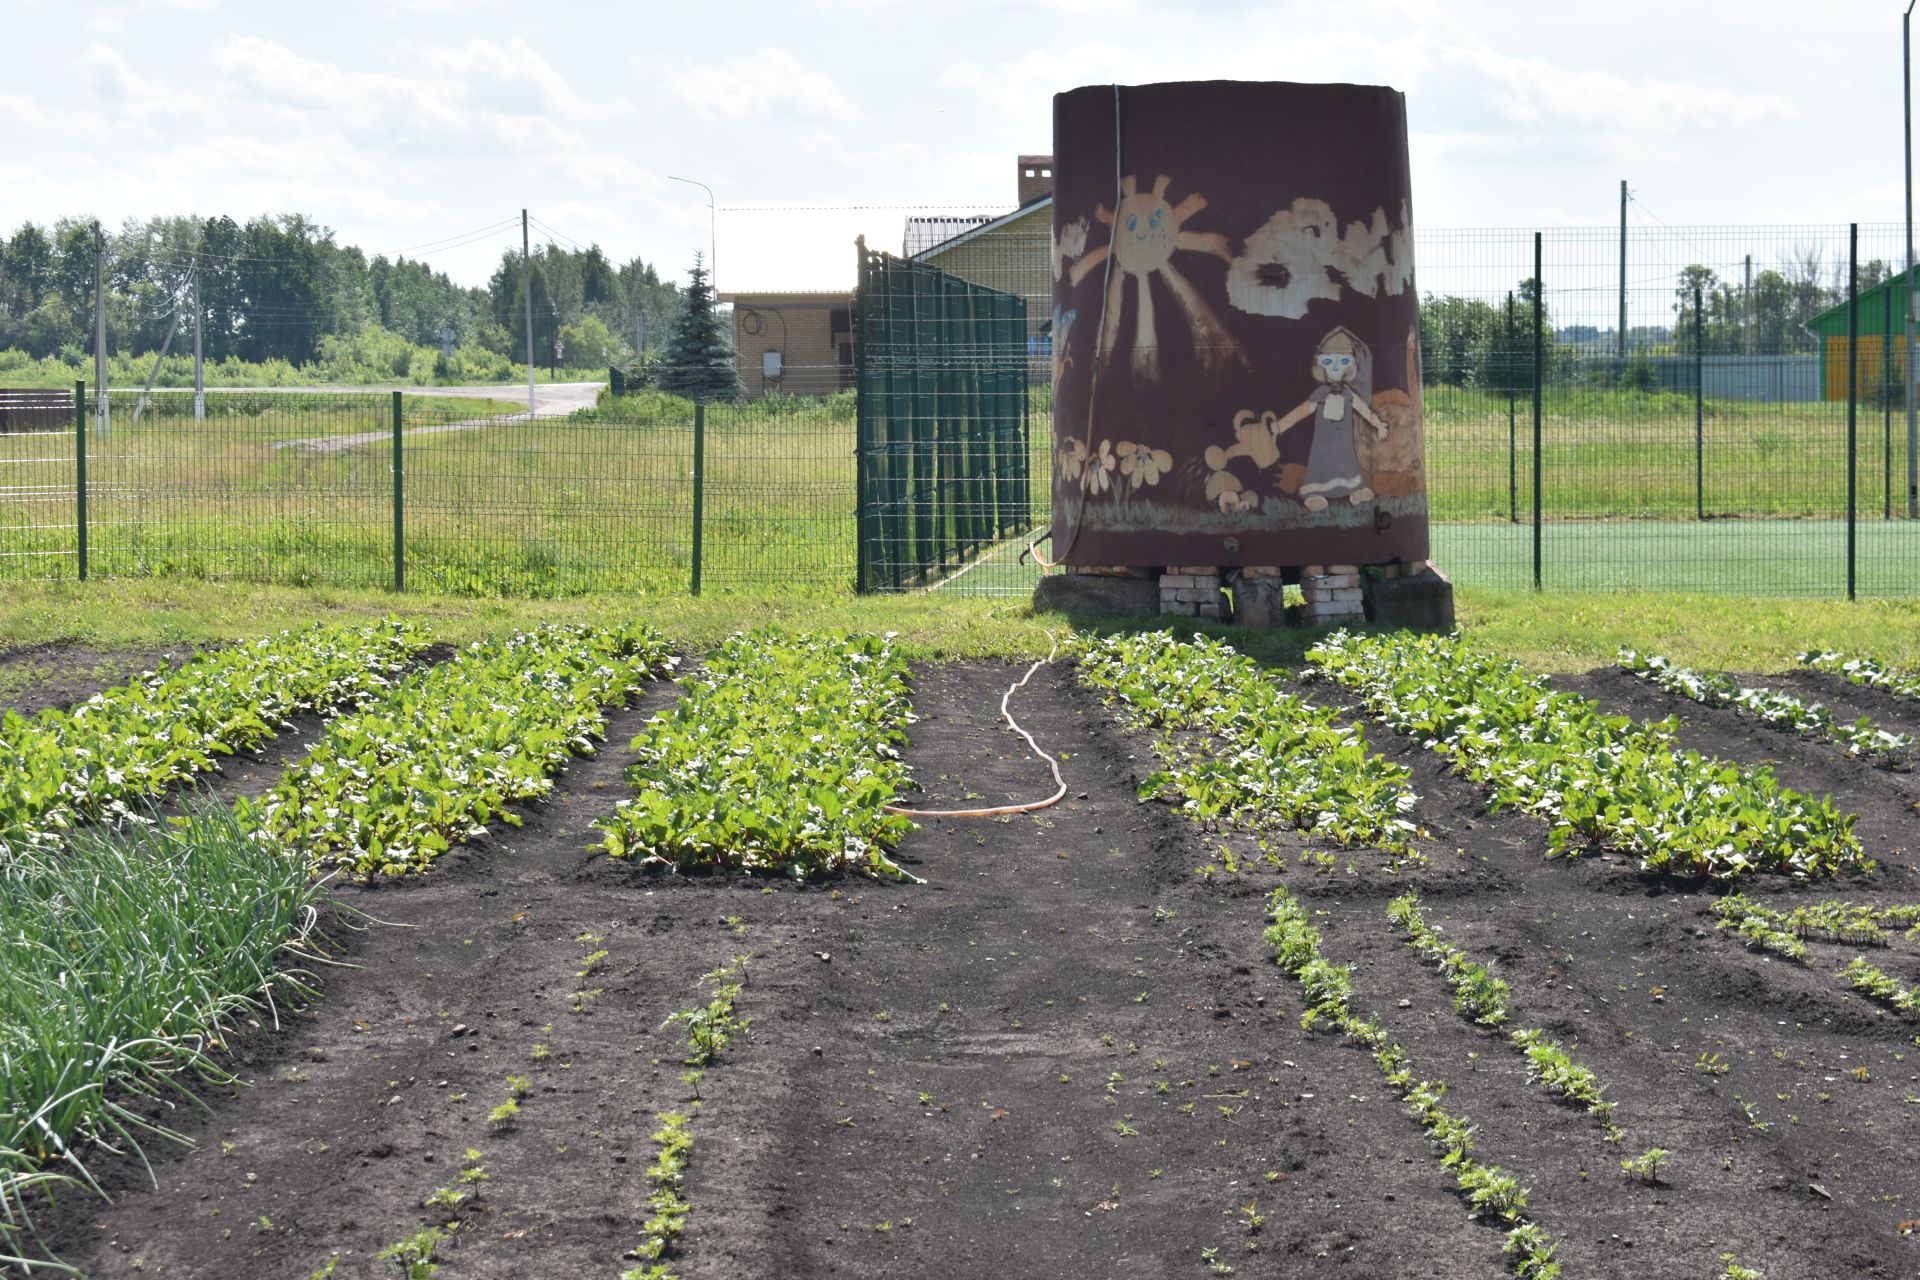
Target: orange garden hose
[(1060, 792)]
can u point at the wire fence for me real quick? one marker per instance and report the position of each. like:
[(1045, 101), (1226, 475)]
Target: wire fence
[(380, 490), (1713, 442)]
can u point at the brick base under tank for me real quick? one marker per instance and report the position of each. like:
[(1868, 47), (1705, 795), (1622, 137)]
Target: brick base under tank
[(1414, 595)]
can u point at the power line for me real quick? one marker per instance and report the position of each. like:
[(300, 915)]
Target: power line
[(578, 247), (502, 225)]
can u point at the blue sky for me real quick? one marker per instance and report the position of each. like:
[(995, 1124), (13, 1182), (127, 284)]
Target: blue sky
[(409, 122)]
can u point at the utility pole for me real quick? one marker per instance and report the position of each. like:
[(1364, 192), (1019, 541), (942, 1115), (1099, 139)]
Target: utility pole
[(1746, 309), (1621, 342), (146, 393), (639, 333), (100, 332), (199, 354), (526, 255)]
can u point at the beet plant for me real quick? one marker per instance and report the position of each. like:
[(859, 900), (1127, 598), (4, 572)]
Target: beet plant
[(1239, 750), (1774, 708), (1599, 781), (391, 787), (102, 757), (779, 759)]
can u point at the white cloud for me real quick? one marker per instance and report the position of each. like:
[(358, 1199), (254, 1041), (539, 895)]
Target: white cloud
[(465, 106), (1535, 93), (112, 76), (766, 82)]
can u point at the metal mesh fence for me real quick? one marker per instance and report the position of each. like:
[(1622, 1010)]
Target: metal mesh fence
[(301, 489), (1709, 450), (1693, 404), (945, 465), (1703, 445)]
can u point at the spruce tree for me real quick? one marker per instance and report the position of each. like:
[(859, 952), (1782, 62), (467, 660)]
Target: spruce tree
[(698, 363)]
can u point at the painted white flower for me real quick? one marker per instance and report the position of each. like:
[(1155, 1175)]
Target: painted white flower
[(1143, 464)]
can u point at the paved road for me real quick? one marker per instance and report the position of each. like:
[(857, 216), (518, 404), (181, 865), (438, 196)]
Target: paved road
[(550, 400)]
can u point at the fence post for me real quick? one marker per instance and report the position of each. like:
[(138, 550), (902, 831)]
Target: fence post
[(862, 426), (80, 472), (1853, 400), (1699, 409), (1539, 301), (699, 485), (1513, 454), (399, 504), (1886, 395)]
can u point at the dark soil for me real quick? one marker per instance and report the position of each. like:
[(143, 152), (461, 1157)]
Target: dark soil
[(58, 674), (1066, 1054)]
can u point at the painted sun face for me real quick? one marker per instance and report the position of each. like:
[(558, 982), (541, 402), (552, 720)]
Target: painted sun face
[(1145, 232), (1335, 366)]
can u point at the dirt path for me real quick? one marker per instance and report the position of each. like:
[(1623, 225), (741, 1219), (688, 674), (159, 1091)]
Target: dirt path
[(551, 400), (1062, 1057)]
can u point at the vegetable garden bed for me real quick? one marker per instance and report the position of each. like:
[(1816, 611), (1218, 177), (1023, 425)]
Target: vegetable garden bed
[(1070, 1051)]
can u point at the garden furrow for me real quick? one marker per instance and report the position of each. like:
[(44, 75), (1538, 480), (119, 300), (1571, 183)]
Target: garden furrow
[(390, 788), (365, 1106), (1598, 781), (127, 745), (904, 1110), (1685, 1029)]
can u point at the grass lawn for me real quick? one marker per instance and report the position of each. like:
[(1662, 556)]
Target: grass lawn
[(1554, 631), (602, 501)]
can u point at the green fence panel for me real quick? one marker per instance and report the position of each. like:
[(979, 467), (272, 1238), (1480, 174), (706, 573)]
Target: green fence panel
[(941, 376)]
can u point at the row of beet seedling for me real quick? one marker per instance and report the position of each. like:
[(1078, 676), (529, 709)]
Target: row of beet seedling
[(1776, 708), (1237, 751), (129, 941)]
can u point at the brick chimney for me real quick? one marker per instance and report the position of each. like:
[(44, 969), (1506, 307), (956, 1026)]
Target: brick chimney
[(1036, 178)]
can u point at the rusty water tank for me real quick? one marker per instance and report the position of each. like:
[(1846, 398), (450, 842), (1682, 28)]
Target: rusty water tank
[(1236, 330)]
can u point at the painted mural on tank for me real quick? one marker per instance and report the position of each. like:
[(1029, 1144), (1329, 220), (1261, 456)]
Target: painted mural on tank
[(1236, 331)]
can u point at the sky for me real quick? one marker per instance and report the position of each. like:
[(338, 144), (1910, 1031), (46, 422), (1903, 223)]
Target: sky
[(425, 126)]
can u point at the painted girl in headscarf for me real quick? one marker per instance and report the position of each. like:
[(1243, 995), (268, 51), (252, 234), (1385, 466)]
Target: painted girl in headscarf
[(1343, 367)]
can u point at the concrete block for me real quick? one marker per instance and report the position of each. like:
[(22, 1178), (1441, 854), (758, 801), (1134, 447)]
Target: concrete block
[(1260, 602), (1419, 602), (1096, 596), (1261, 572), (1343, 568)]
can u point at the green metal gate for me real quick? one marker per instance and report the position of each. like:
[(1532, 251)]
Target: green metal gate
[(943, 425)]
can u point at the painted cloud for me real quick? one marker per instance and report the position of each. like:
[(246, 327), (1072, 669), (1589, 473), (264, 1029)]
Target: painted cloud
[(1301, 254)]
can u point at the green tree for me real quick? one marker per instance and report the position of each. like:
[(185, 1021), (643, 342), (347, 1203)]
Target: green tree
[(699, 358), (588, 343)]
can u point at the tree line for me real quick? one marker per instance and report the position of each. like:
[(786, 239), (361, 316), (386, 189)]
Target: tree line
[(1473, 342), (281, 287)]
